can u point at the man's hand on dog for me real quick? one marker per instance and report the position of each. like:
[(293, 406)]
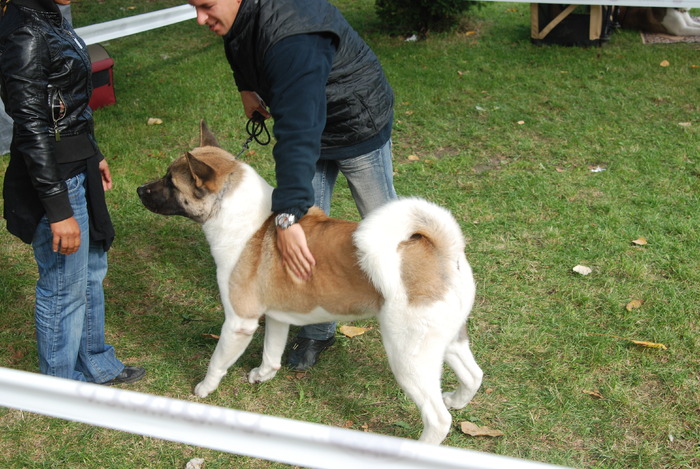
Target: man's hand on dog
[(296, 256)]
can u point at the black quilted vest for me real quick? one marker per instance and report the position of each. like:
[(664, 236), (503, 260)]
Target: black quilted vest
[(358, 96)]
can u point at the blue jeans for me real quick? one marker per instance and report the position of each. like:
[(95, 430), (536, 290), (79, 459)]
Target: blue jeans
[(370, 179), (70, 308)]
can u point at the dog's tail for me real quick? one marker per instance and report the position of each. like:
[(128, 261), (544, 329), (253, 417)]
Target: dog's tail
[(413, 252)]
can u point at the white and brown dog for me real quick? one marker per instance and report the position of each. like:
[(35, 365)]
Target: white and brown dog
[(404, 264), (672, 21)]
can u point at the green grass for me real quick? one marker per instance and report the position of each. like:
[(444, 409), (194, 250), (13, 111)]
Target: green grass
[(505, 134)]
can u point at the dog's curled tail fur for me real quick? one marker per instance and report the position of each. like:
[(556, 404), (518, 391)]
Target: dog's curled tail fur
[(411, 231)]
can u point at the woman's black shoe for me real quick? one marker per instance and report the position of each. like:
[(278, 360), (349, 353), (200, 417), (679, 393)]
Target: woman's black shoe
[(128, 375)]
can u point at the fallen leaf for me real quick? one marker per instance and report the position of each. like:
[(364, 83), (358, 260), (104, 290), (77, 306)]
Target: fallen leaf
[(352, 331), (475, 430), (595, 394), (644, 343), (582, 269), (521, 122), (413, 158), (634, 304), (154, 121), (16, 354), (665, 63), (196, 463), (210, 336), (641, 241), (685, 124), (470, 33)]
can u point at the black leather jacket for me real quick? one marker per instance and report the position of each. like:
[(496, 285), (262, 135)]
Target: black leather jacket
[(45, 83)]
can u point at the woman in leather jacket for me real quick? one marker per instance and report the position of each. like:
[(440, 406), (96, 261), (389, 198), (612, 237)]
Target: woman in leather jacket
[(54, 188)]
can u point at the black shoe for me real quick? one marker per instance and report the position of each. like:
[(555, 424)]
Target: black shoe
[(304, 352), (128, 375)]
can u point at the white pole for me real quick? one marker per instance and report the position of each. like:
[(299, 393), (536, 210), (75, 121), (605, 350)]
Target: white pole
[(114, 29), (233, 431)]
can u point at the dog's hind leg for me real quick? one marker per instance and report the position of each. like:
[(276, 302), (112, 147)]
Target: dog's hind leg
[(416, 356), (236, 334), (459, 357), (276, 333)]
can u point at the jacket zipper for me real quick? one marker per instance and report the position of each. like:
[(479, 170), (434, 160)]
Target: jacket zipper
[(58, 110)]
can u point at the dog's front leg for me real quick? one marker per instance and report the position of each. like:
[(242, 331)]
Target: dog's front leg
[(692, 26), (679, 23), (236, 334), (275, 339)]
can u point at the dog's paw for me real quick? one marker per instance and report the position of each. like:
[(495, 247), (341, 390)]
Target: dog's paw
[(202, 390), (453, 401), (258, 375)]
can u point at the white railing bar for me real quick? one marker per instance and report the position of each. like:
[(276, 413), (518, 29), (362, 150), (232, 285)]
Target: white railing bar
[(102, 32), (233, 431)]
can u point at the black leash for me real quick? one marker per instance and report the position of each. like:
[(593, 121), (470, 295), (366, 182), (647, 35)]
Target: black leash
[(255, 128)]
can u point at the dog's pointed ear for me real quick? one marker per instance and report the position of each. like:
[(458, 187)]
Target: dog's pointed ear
[(202, 173), (206, 137)]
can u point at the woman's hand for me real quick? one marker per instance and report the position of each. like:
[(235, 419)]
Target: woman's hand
[(106, 175), (66, 236)]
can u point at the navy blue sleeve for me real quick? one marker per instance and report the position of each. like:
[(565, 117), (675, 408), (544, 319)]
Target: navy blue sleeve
[(297, 68)]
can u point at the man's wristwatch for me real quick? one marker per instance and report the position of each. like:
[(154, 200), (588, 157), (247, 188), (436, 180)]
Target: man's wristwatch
[(285, 220)]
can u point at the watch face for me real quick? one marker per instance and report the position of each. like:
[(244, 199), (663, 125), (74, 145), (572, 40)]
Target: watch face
[(285, 220)]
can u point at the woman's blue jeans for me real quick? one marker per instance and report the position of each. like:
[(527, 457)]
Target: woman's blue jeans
[(370, 179), (70, 308)]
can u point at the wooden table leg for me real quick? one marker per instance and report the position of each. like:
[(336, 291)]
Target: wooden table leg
[(595, 22), (535, 21)]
